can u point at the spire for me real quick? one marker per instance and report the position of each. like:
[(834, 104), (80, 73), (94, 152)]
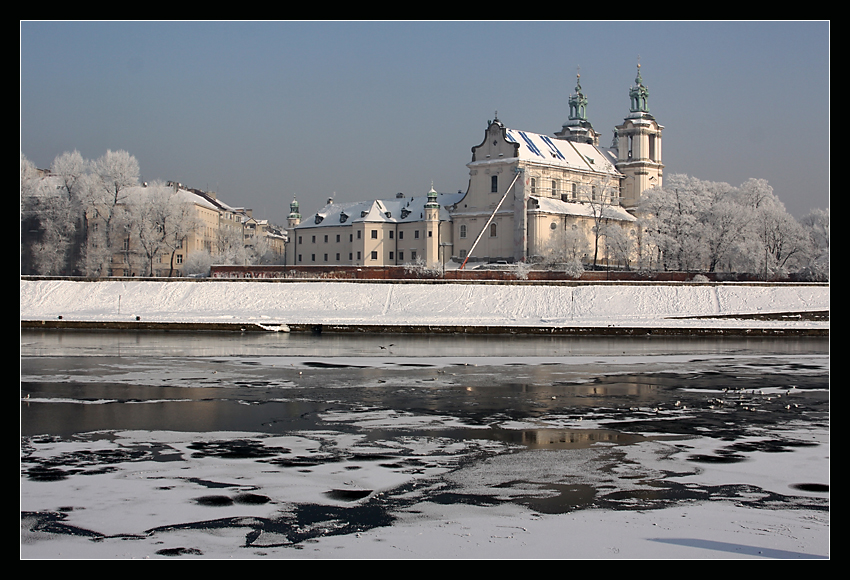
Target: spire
[(578, 103), (639, 94), (293, 209), (432, 198), (577, 128)]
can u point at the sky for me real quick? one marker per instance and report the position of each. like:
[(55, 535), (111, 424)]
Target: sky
[(261, 112)]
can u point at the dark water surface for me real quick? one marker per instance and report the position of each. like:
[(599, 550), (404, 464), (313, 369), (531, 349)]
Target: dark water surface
[(555, 424)]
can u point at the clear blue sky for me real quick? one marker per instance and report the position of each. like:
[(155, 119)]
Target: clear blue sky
[(262, 111)]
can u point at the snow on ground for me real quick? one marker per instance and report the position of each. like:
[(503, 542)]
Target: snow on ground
[(314, 302)]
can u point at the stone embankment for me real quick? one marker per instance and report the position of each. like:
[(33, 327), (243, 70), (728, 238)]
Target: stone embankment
[(444, 307)]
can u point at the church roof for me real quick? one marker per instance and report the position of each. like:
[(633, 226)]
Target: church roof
[(398, 210), (578, 156), (558, 207)]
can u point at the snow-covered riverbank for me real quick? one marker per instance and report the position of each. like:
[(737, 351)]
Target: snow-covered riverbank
[(644, 305)]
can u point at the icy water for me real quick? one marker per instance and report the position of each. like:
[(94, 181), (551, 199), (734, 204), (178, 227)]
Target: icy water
[(201, 444)]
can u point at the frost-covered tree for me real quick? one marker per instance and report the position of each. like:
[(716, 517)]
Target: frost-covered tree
[(670, 218), (816, 224), (566, 248), (619, 243), (49, 220), (197, 263), (161, 220), (113, 176), (776, 242), (600, 197)]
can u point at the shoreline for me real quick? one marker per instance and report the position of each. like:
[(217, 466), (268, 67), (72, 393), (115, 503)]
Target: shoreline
[(420, 329)]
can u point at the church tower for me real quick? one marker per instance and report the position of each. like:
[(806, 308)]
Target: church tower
[(638, 143), (578, 129), (432, 229), (294, 218)]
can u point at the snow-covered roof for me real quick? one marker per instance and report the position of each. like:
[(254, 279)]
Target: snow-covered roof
[(556, 206), (552, 151), (398, 210)]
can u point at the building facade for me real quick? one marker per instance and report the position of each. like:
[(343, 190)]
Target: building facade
[(526, 192)]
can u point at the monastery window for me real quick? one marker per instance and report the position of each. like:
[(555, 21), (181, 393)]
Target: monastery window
[(299, 257), (463, 231), (374, 234), (554, 188), (326, 239), (337, 238), (533, 185), (413, 254), (494, 184), (493, 230), (374, 255), (358, 255), (312, 257), (416, 234), (401, 235), (391, 255), (391, 234), (337, 256), (401, 255), (430, 234), (358, 234), (350, 256), (575, 191), (314, 239), (326, 257)]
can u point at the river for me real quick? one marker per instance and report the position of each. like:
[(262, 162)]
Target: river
[(203, 444)]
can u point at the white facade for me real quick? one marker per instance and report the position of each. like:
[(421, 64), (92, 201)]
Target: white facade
[(525, 190)]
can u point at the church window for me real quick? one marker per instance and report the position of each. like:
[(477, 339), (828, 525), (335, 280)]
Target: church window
[(463, 231), (493, 230), (494, 184)]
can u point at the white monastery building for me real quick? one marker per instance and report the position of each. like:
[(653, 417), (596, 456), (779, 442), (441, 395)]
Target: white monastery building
[(527, 194)]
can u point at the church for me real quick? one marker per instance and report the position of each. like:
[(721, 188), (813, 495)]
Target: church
[(526, 191)]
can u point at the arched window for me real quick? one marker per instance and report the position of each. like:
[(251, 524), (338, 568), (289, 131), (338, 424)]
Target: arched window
[(492, 230), (463, 230)]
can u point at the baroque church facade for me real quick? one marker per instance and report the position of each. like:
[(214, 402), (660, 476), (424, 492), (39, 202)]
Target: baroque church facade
[(526, 191)]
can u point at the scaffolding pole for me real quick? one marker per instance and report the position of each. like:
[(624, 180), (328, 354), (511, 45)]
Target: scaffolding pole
[(492, 215)]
